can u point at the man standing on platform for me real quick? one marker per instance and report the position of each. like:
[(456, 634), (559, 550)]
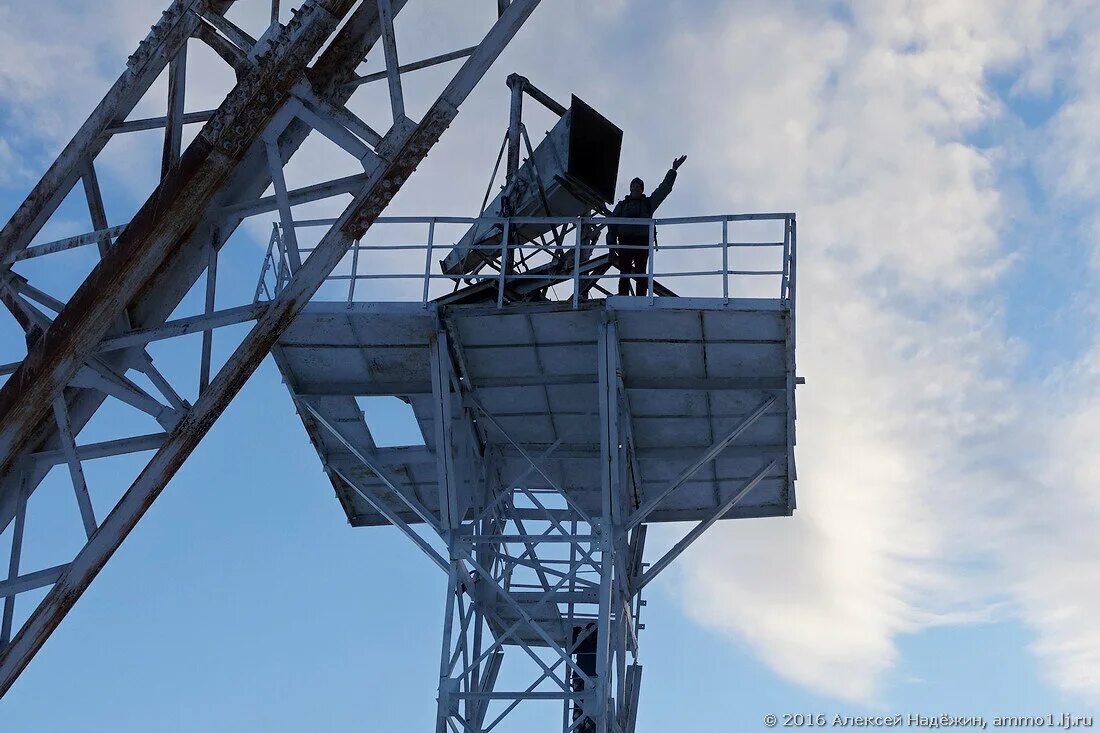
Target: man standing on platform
[(629, 243)]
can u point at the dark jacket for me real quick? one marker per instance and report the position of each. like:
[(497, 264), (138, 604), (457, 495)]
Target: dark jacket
[(638, 207)]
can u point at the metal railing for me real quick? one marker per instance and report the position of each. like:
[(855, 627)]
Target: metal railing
[(703, 256)]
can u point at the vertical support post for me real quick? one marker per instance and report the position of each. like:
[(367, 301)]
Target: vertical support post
[(503, 261), (444, 453), (794, 264), (577, 264), (76, 473), (282, 197), (792, 410), (428, 261), (726, 261), (354, 271), (610, 472), (389, 46), (173, 128), (652, 252), (274, 11), (269, 261), (784, 285), (96, 210), (281, 274), (473, 707), (445, 706), (13, 560), (487, 683), (515, 118), (569, 705), (211, 290), (634, 685)]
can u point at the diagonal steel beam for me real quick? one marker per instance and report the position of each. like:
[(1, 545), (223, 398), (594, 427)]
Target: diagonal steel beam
[(163, 224), (410, 150), (142, 69), (393, 66), (403, 493), (76, 472), (394, 519), (13, 567), (527, 457), (173, 123), (328, 78), (702, 527), (640, 516), (60, 245), (38, 579), (230, 53)]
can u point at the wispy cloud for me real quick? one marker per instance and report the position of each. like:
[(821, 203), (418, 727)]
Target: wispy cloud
[(918, 460)]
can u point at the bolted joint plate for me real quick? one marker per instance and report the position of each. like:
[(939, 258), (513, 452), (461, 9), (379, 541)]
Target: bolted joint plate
[(150, 45), (413, 150), (266, 86), (448, 695), (461, 544)]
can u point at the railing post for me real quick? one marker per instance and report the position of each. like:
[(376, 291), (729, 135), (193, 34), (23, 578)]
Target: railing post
[(269, 261), (784, 285), (281, 271), (503, 261), (577, 264), (793, 279), (726, 261), (652, 252), (354, 271), (428, 261)]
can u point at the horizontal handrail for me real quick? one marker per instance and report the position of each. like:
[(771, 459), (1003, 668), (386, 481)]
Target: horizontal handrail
[(549, 245), (710, 219), (560, 251)]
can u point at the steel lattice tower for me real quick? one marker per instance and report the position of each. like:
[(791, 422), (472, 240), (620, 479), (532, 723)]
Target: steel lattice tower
[(556, 430)]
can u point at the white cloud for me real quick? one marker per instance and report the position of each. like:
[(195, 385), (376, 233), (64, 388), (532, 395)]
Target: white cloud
[(914, 447), (1053, 553)]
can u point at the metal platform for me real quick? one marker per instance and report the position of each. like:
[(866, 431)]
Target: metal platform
[(692, 370), (551, 431)]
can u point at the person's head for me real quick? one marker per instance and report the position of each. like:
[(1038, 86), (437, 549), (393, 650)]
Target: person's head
[(637, 186)]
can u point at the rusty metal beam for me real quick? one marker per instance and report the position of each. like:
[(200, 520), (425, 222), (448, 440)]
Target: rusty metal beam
[(329, 79), (411, 146), (142, 69), (173, 125), (230, 53), (96, 210), (162, 225), (393, 70)]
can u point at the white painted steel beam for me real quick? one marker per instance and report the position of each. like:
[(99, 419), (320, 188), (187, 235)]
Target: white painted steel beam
[(411, 147), (697, 531), (640, 515), (369, 460), (165, 39)]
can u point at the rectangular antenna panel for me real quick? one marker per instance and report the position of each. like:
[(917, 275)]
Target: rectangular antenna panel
[(577, 165)]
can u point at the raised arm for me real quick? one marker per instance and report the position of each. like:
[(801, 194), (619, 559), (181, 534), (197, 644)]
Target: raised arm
[(661, 192)]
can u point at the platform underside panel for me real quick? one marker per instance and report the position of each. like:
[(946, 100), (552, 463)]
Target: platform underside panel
[(692, 369)]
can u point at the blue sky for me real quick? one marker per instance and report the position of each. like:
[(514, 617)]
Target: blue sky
[(944, 557)]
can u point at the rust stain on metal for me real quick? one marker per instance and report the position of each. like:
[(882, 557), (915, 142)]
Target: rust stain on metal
[(414, 151), (162, 225)]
